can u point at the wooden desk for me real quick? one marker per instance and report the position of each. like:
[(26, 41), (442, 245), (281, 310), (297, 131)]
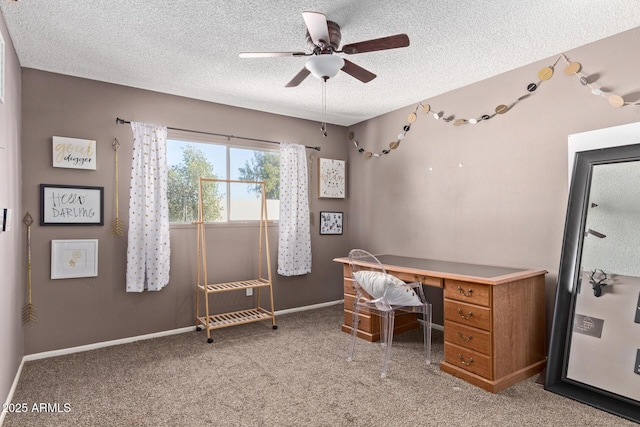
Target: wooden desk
[(494, 317)]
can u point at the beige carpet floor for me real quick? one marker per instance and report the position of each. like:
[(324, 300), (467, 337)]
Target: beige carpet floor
[(296, 375)]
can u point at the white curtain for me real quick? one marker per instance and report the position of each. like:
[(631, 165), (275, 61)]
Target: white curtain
[(148, 250), (294, 242)]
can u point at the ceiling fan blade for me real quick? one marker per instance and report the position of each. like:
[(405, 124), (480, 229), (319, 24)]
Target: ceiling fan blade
[(317, 26), (298, 78), (358, 72), (270, 54), (384, 43)]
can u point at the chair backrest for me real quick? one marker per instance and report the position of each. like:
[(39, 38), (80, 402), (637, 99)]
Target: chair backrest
[(361, 261), (375, 285)]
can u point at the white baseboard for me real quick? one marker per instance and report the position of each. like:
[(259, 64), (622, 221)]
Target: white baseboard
[(433, 325), (81, 348), (70, 350), (308, 307), (78, 349)]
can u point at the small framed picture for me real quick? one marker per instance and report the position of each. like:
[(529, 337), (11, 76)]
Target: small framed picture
[(74, 258), (330, 222), (331, 179)]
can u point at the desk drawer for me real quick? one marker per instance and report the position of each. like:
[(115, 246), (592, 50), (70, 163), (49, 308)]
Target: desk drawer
[(410, 277), (348, 304), (467, 337), (472, 293), (369, 322), (366, 322), (468, 360), (348, 286), (467, 314), (348, 301)]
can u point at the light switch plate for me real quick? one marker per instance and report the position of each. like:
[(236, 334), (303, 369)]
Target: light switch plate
[(5, 219), (8, 220)]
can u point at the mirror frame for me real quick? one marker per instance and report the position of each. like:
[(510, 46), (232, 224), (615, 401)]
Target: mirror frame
[(568, 276)]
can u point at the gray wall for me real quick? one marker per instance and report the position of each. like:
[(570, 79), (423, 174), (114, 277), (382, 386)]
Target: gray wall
[(11, 255), (506, 205), (75, 312)]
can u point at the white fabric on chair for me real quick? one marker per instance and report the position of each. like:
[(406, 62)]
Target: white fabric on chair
[(294, 241), (375, 283), (148, 250)]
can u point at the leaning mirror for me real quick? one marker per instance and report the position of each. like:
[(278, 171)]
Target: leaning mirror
[(594, 352)]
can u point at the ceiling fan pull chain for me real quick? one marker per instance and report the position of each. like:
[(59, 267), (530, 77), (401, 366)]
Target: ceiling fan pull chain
[(324, 107)]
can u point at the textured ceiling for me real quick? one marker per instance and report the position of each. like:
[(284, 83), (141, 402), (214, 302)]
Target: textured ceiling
[(190, 47)]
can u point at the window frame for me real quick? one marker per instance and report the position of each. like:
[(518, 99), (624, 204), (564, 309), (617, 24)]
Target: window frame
[(228, 143)]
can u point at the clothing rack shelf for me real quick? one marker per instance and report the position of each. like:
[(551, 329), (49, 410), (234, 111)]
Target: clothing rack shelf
[(211, 321)]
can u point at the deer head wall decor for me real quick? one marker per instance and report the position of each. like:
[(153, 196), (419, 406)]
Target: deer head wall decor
[(597, 283)]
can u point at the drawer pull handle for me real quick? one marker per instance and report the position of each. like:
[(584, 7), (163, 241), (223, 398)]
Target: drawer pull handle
[(467, 316), (463, 293), (463, 338), (468, 362)]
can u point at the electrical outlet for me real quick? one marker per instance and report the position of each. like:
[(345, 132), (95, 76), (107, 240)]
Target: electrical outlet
[(249, 292)]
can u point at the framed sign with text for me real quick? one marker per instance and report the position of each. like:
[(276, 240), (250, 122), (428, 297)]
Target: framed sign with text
[(71, 205), (73, 153)]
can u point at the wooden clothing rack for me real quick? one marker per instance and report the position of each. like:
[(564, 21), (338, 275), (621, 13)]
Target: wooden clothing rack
[(257, 313)]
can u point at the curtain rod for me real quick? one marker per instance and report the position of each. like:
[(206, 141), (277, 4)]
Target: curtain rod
[(123, 122)]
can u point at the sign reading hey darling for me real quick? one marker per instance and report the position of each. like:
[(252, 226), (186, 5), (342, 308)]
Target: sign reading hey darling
[(74, 153)]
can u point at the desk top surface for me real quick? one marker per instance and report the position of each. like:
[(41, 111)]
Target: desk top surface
[(452, 270)]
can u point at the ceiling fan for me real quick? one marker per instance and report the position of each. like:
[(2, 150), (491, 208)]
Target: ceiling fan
[(323, 38)]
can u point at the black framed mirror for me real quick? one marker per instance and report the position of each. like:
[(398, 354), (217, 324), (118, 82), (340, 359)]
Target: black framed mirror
[(594, 352)]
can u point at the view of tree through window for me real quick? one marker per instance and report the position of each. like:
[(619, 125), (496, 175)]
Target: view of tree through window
[(264, 166), (189, 160)]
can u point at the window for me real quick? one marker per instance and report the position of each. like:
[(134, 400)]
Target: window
[(188, 160)]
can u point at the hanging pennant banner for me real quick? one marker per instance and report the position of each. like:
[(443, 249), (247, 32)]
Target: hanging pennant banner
[(572, 68)]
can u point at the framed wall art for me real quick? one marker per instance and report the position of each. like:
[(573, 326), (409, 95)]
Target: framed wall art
[(74, 258), (330, 222), (331, 178), (73, 153), (71, 205)]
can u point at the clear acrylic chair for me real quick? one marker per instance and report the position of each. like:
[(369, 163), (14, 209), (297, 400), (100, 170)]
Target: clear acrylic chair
[(385, 295)]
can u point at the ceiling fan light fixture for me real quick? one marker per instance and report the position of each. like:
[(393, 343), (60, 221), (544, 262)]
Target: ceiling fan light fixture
[(324, 66)]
